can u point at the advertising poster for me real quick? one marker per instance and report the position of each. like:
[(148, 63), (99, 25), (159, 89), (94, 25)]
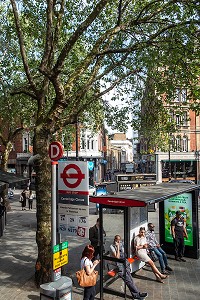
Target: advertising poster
[(183, 203)]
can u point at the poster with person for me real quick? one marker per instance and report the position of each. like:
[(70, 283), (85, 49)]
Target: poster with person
[(182, 203)]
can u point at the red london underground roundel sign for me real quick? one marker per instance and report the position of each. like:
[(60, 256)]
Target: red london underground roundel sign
[(55, 151)]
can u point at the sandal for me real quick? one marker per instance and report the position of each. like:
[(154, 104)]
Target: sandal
[(159, 279), (164, 276)]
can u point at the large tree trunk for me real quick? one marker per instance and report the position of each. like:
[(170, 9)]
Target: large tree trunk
[(43, 195)]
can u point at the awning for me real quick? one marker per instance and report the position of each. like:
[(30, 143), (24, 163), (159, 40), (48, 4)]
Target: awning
[(11, 178), (144, 195), (3, 186)]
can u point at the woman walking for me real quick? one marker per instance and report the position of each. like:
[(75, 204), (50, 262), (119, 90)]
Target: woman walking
[(30, 200), (23, 199), (86, 262), (140, 244)]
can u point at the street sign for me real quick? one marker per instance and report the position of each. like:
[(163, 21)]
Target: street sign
[(90, 165), (55, 151), (60, 255), (60, 247), (60, 259), (76, 174), (73, 198), (73, 177)]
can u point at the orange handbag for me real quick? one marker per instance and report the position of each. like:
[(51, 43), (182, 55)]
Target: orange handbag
[(86, 280)]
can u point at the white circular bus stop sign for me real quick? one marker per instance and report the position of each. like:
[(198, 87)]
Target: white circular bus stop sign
[(55, 151)]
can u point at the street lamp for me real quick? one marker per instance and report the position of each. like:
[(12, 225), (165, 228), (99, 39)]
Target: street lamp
[(197, 155), (77, 128), (169, 156)]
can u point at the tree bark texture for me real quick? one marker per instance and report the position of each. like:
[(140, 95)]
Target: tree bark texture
[(43, 195)]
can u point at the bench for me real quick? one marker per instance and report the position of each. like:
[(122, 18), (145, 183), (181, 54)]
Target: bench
[(112, 269)]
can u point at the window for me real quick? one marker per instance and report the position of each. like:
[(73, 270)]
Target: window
[(83, 141), (180, 95), (183, 95), (178, 143), (88, 143), (185, 144), (184, 119), (178, 119), (172, 142)]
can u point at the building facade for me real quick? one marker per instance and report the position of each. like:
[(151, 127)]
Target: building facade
[(181, 161)]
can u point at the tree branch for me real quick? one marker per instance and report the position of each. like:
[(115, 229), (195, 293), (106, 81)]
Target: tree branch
[(147, 42), (74, 37), (22, 46)]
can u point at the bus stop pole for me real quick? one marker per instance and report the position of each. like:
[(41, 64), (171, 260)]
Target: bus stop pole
[(53, 208), (101, 251)]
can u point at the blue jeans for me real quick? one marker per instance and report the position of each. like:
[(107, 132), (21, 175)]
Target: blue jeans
[(162, 257)]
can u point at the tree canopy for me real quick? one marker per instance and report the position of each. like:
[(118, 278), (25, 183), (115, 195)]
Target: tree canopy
[(69, 54)]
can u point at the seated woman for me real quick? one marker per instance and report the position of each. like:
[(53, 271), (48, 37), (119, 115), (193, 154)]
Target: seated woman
[(140, 244)]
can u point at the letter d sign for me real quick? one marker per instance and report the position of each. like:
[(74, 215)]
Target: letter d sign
[(55, 151)]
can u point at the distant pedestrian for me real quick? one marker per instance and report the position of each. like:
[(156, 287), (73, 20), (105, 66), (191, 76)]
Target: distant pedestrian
[(153, 245), (23, 199), (30, 200), (94, 237), (179, 233), (86, 262)]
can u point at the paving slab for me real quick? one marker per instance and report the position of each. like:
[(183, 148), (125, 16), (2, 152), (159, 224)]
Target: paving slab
[(18, 253)]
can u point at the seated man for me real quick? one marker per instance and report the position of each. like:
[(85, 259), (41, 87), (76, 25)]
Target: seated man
[(117, 250), (155, 246)]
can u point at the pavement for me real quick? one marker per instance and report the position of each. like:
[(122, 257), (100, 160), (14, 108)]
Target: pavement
[(18, 253)]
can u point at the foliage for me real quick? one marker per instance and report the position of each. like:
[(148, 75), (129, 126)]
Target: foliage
[(74, 52)]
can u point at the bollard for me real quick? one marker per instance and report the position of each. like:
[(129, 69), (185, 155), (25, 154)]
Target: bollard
[(60, 289)]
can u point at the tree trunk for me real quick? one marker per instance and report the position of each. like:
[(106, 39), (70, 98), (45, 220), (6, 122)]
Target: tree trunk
[(43, 195), (4, 165)]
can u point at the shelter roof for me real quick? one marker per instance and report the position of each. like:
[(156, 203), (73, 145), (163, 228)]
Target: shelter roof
[(2, 186), (11, 178), (144, 195)]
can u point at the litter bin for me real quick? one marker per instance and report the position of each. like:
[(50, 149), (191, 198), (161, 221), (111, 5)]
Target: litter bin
[(57, 290)]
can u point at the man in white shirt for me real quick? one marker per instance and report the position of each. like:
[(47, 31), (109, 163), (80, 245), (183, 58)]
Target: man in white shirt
[(153, 245)]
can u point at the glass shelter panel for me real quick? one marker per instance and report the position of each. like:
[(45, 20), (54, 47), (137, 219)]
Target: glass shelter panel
[(113, 224)]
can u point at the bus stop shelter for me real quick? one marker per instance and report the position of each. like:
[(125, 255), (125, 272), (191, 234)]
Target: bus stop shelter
[(126, 211)]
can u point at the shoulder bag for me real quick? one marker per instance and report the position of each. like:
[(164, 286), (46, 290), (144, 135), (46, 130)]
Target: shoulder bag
[(86, 280)]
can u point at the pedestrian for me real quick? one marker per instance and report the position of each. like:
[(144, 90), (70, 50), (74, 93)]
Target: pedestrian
[(117, 251), (153, 245), (30, 200), (179, 232), (140, 244), (94, 237), (86, 262), (23, 199)]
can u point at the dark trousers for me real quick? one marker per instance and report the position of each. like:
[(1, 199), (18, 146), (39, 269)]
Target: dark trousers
[(89, 293), (128, 279), (30, 204), (179, 246)]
